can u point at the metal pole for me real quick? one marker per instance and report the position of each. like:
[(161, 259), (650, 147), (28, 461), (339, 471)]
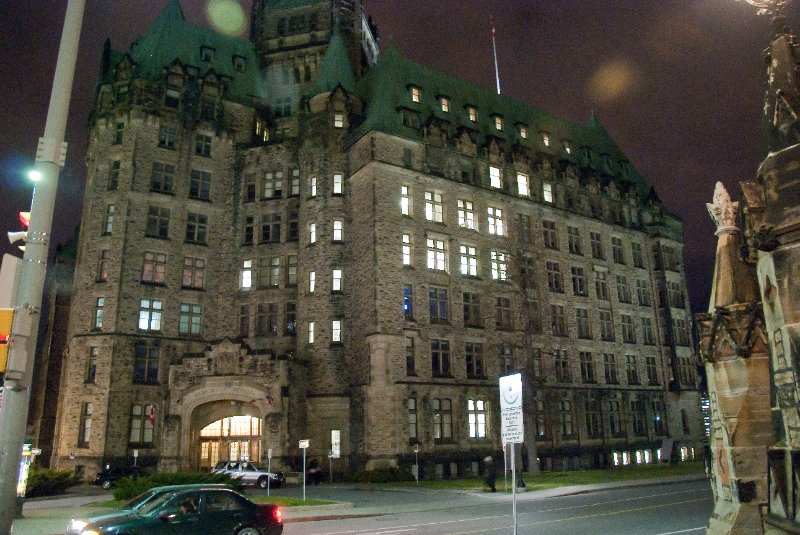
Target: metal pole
[(24, 332), (304, 474), (514, 488), (416, 461), (505, 468), (269, 471)]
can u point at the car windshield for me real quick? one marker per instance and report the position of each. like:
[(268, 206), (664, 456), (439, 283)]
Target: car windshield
[(140, 500), (155, 504)]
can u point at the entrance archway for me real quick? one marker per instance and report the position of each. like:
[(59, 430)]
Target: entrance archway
[(231, 438)]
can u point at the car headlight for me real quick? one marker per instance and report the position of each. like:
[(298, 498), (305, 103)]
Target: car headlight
[(90, 532), (76, 526)]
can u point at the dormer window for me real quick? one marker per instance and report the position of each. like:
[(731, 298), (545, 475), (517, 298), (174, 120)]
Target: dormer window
[(191, 72), (523, 131), (172, 97), (338, 120), (206, 53), (416, 93), (567, 146), (444, 102), (546, 139), (472, 113), (498, 123), (606, 160), (239, 63)]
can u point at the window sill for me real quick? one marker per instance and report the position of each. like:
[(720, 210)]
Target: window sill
[(193, 288), (156, 237), (154, 283)]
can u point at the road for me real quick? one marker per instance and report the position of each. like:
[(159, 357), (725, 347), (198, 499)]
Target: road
[(654, 510)]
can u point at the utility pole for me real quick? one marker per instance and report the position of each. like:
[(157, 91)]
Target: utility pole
[(50, 156)]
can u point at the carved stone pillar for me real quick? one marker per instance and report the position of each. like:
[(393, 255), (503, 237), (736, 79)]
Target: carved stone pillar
[(734, 349)]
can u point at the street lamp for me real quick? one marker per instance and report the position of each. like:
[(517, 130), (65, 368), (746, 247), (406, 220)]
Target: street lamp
[(50, 156)]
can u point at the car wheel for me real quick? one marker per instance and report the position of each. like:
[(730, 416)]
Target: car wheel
[(249, 531), (106, 484), (263, 481)]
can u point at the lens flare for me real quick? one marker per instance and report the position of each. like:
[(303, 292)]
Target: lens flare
[(611, 81), (227, 16)]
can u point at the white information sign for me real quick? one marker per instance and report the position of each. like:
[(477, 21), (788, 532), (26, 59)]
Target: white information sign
[(511, 427), (336, 450), (304, 444)]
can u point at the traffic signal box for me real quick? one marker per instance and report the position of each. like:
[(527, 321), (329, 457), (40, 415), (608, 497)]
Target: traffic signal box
[(6, 317)]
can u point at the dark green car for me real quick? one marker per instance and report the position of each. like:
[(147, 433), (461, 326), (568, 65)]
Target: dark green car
[(192, 510), (76, 525)]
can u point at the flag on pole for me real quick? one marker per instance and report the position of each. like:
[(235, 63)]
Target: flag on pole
[(152, 414), (494, 53)]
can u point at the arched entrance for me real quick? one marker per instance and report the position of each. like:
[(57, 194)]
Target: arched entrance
[(225, 430), (230, 438)]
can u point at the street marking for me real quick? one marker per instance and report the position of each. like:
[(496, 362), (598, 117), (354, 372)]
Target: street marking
[(613, 501), (683, 531)]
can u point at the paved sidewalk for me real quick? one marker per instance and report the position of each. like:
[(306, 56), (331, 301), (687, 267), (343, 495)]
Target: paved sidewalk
[(50, 516)]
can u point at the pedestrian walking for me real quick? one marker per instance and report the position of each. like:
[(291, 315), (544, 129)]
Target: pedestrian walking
[(491, 472)]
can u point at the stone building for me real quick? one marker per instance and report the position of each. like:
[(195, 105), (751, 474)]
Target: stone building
[(750, 335), (297, 234)]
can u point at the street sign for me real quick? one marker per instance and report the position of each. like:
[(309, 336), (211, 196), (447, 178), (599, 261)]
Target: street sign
[(511, 426), (269, 453), (304, 444), (336, 443)]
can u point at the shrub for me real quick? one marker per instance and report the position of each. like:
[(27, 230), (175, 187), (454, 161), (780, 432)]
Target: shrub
[(127, 488), (384, 475), (47, 482)]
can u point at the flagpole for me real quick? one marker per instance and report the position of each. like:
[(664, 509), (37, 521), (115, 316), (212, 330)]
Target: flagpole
[(494, 51)]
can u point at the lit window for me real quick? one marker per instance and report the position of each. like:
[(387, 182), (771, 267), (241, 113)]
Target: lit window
[(312, 233), (472, 112), (546, 139), (338, 185), (108, 224), (498, 122), (547, 192), (495, 221), (494, 177), (437, 254), (191, 318), (523, 132), (336, 331), (150, 315), (338, 230), (405, 200), (434, 210), (338, 120), (469, 260), (523, 185), (406, 249), (476, 410), (499, 265), (312, 281), (311, 329), (415, 94), (85, 430), (247, 275), (154, 267), (336, 280), (445, 104), (99, 313), (466, 215), (312, 186), (143, 419)]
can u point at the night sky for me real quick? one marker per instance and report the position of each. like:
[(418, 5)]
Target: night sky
[(678, 84)]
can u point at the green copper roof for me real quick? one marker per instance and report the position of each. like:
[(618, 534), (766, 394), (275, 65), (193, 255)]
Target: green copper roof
[(386, 90), (171, 37), (336, 69)]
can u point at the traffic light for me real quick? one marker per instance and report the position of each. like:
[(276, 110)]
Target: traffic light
[(6, 317), (14, 237)]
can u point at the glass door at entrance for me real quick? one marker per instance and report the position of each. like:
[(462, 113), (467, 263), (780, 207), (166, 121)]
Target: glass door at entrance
[(234, 438)]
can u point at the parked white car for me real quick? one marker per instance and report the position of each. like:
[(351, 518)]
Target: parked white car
[(249, 474)]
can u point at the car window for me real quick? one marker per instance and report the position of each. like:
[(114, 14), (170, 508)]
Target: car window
[(164, 500), (222, 501), (233, 466), (248, 467), (220, 465)]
